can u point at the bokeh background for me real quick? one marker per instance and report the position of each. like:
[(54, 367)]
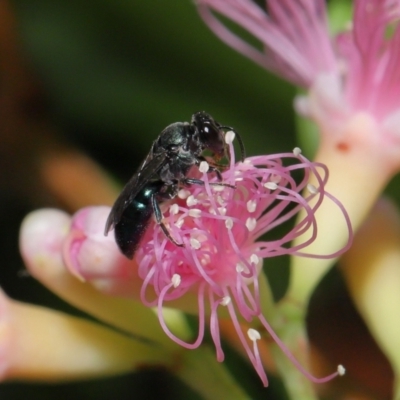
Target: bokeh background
[(104, 77)]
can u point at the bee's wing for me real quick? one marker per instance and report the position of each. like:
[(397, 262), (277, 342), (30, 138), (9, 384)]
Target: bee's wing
[(151, 165)]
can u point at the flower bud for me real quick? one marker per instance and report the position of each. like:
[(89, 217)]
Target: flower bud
[(92, 256)]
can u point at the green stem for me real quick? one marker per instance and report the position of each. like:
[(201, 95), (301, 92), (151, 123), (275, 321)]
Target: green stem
[(292, 331), (201, 371)]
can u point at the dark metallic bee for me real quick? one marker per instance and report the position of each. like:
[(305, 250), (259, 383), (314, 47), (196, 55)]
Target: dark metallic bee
[(162, 174)]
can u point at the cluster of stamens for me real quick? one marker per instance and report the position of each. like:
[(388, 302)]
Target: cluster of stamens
[(222, 225)]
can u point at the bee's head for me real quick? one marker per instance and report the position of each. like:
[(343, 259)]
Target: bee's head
[(211, 136)]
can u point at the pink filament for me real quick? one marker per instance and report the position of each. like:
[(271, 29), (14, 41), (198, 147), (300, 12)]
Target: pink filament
[(293, 35)]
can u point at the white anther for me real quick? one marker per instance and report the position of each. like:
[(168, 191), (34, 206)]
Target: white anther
[(312, 189), (179, 223), (183, 194), (195, 243), (176, 280), (191, 201), (251, 206), (251, 223), (341, 370), (222, 210), (239, 267), (253, 335), (174, 209), (229, 223), (297, 151), (254, 259), (229, 137), (205, 259), (271, 185), (218, 188), (204, 167), (195, 213), (225, 301)]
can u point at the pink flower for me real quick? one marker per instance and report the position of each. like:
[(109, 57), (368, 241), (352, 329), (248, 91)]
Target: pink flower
[(293, 35), (91, 256), (353, 95), (222, 227), (356, 72)]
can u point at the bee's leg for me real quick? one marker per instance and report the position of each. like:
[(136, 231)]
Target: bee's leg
[(159, 217), (217, 172), (194, 181)]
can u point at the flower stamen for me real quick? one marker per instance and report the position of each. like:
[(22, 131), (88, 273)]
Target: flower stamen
[(223, 257)]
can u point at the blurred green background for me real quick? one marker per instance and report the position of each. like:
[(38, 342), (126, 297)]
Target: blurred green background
[(113, 74), (117, 72)]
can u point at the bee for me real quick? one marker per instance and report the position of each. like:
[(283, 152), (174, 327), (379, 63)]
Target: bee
[(162, 174)]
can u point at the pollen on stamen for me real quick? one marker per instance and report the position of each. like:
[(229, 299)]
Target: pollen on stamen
[(251, 206), (174, 209), (179, 222), (191, 201), (229, 137), (222, 210), (183, 194), (225, 301), (251, 223), (253, 335), (205, 260), (341, 370), (176, 280), (297, 151), (238, 176), (271, 185), (195, 213), (312, 189), (239, 267), (195, 243), (254, 259), (204, 167), (229, 223)]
